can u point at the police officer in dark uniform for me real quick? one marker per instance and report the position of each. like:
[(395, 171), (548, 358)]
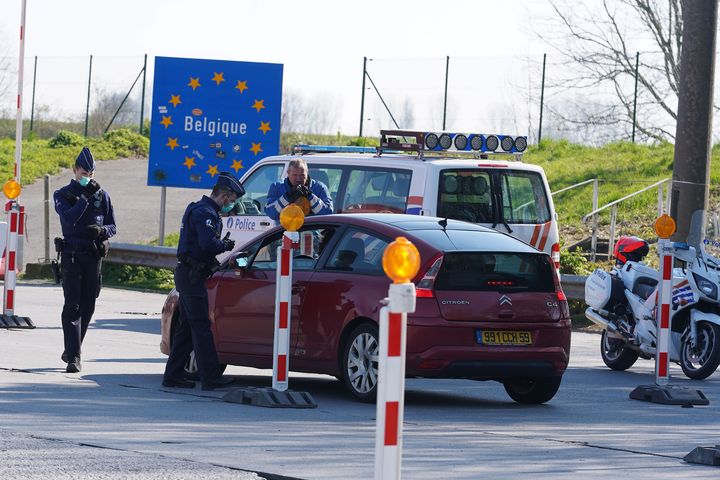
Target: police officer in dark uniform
[(199, 243), (87, 222)]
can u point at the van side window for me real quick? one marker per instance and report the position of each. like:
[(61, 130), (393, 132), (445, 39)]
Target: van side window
[(375, 190), (329, 176), (466, 195), (524, 199), (256, 189)]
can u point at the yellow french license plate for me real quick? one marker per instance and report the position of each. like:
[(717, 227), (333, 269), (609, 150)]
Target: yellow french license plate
[(503, 337)]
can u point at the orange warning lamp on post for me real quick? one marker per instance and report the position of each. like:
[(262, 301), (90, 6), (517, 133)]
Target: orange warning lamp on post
[(664, 226), (401, 260), (292, 218), (12, 189)]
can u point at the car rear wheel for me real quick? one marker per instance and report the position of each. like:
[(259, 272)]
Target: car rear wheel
[(360, 362), (615, 354), (532, 390)]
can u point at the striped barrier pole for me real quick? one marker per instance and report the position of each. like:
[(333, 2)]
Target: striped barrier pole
[(13, 212), (662, 360), (283, 298), (401, 262)]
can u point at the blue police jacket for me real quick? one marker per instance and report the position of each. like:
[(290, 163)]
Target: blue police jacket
[(320, 201), (77, 213), (200, 231)]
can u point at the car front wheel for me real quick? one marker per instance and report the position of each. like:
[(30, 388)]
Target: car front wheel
[(532, 390), (360, 362)]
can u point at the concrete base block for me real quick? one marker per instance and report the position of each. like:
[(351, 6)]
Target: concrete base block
[(267, 397), (704, 456), (38, 271), (13, 321), (669, 395)]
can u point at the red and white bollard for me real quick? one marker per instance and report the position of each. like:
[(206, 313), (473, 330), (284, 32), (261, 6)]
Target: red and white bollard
[(391, 380), (283, 303), (662, 360), (401, 262), (13, 212)]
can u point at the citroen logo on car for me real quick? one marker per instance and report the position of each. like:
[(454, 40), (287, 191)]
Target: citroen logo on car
[(505, 300)]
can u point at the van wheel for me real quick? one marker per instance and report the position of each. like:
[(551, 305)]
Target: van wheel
[(615, 354), (532, 390), (360, 362)]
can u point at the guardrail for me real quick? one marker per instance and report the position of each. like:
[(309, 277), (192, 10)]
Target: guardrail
[(165, 257), (142, 255)]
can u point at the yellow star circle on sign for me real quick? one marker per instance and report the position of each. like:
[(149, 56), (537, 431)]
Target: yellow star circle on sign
[(258, 105), (194, 83), (256, 148), (212, 170), (237, 165), (172, 143), (265, 127), (218, 78), (241, 85), (167, 121), (174, 99), (189, 162)]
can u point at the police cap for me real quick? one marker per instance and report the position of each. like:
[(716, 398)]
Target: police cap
[(226, 180), (85, 160)]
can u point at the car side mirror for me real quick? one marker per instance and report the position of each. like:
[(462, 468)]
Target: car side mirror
[(240, 260)]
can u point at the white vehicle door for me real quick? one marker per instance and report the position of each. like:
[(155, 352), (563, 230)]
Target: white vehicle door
[(248, 219)]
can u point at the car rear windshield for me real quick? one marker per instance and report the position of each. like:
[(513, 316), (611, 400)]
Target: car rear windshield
[(485, 271)]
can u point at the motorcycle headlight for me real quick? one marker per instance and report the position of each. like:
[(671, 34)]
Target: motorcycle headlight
[(707, 287)]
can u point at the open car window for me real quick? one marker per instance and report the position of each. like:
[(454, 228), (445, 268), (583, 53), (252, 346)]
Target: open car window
[(313, 242), (358, 252)]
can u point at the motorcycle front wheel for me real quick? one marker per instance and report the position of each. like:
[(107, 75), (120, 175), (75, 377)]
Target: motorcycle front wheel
[(700, 361), (615, 354)]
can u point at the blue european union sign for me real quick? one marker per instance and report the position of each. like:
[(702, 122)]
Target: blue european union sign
[(211, 116)]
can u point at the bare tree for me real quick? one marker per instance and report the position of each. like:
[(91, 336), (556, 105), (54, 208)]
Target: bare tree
[(301, 114), (105, 105), (598, 44)]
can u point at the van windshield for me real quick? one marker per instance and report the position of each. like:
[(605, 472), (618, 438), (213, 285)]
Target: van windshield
[(469, 195)]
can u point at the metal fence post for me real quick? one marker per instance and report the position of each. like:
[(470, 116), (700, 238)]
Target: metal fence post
[(593, 239), (637, 64), (47, 217), (87, 107), (32, 103), (447, 70), (362, 97), (142, 99), (611, 240), (542, 98)]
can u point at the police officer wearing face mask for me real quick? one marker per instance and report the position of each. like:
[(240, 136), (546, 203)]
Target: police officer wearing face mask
[(87, 222), (199, 243)]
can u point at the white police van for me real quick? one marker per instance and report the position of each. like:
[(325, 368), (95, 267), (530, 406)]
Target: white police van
[(440, 174)]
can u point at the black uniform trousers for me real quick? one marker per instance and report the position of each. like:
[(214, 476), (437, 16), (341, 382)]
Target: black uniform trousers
[(192, 331), (81, 286)]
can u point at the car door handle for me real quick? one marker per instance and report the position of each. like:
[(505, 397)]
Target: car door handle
[(264, 224), (297, 290)]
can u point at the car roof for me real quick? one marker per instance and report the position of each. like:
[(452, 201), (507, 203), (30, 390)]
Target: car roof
[(404, 161), (454, 235)]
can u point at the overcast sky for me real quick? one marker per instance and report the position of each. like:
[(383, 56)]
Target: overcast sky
[(321, 43)]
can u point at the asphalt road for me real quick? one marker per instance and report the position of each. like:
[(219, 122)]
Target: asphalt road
[(115, 420), (137, 206)]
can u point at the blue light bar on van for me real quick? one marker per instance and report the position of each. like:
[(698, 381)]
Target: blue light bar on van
[(332, 149), (479, 142)]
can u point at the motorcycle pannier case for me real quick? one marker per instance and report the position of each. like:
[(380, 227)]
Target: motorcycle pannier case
[(603, 291)]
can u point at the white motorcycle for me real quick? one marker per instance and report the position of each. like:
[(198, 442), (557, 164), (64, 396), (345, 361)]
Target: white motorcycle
[(624, 303)]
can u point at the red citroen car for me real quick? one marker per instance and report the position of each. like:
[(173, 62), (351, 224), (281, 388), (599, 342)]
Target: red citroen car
[(489, 307)]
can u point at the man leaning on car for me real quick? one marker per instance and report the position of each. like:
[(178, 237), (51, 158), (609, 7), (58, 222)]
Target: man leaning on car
[(298, 188)]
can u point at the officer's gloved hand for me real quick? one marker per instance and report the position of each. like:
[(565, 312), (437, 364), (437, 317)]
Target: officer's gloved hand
[(304, 191), (91, 188), (228, 243), (95, 231), (294, 194)]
